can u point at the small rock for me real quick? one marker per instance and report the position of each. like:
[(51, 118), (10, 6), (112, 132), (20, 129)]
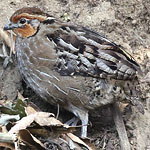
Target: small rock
[(148, 54), (131, 142), (134, 22)]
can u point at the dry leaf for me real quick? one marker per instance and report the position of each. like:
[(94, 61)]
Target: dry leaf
[(40, 132), (21, 97), (30, 140), (58, 128), (46, 119), (30, 110), (7, 145), (88, 142), (6, 36), (70, 142), (22, 124), (78, 140), (26, 121)]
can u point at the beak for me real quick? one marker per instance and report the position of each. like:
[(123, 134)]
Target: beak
[(10, 26)]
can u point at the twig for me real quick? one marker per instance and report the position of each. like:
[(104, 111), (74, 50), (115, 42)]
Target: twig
[(5, 37), (120, 127), (57, 111)]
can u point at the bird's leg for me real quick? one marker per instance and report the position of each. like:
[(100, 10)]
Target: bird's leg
[(84, 126), (73, 121), (82, 114)]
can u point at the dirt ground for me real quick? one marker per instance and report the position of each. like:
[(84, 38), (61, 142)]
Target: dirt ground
[(127, 23)]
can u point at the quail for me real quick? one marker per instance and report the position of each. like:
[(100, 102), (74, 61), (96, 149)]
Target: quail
[(71, 65)]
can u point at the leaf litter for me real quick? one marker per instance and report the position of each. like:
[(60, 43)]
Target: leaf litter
[(34, 129)]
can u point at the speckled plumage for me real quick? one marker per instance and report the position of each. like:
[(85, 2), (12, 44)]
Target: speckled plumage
[(73, 66)]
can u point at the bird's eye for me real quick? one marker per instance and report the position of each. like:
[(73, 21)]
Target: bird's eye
[(22, 20)]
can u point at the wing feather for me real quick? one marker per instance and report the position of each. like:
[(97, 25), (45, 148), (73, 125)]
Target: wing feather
[(85, 51)]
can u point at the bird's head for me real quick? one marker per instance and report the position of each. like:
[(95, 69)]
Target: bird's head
[(26, 21)]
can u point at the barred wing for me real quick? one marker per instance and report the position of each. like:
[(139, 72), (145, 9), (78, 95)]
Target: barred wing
[(84, 52)]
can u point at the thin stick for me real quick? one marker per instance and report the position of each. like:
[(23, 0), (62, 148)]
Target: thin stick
[(57, 111), (12, 44), (120, 127)]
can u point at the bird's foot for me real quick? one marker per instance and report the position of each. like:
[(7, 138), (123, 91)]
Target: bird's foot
[(73, 121)]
